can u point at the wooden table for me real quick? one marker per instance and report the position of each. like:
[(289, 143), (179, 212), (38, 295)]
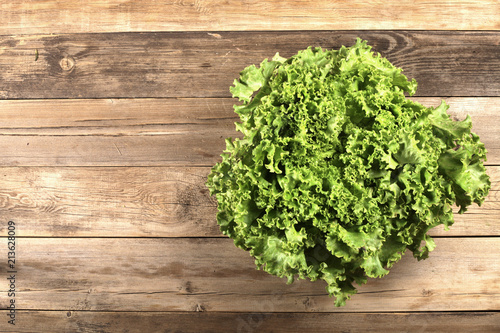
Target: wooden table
[(111, 115)]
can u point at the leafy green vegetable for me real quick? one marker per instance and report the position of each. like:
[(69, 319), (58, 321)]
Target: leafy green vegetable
[(338, 173)]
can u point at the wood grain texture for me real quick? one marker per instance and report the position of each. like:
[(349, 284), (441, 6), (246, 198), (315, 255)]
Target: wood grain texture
[(52, 16), (116, 202), (193, 274), (114, 132), (158, 132), (150, 202), (113, 111), (210, 322), (201, 64)]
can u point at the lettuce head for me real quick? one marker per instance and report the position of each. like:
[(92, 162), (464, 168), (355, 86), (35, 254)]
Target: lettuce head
[(338, 173)]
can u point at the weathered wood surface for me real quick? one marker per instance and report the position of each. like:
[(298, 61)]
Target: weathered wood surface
[(150, 202), (51, 16), (216, 322), (116, 230), (194, 274), (158, 132), (203, 64)]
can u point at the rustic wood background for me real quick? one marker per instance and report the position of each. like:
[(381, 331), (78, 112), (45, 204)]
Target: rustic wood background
[(111, 115)]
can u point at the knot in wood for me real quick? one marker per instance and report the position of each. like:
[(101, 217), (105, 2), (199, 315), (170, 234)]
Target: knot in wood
[(67, 63)]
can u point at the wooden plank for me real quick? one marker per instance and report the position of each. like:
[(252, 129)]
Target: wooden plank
[(19, 17), (208, 322), (150, 202), (191, 274), (157, 132), (114, 132), (134, 202), (201, 64)]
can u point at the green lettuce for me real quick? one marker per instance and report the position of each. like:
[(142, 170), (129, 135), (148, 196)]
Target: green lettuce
[(338, 173)]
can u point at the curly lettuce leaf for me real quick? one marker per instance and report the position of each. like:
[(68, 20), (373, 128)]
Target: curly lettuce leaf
[(338, 173)]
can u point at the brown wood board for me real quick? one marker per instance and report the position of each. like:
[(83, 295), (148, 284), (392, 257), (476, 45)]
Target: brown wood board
[(111, 115), (158, 132), (196, 274), (186, 15), (204, 64), (150, 202), (216, 322)]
